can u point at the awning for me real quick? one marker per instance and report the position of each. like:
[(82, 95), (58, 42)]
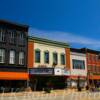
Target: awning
[(94, 77), (13, 76), (76, 77)]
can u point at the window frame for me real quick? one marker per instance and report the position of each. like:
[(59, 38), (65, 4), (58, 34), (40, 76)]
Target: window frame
[(10, 60), (3, 35), (46, 61), (56, 57), (78, 64), (38, 61), (3, 57), (12, 36), (62, 54), (21, 60)]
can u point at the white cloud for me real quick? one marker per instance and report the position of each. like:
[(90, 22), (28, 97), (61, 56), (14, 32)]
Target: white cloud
[(66, 37)]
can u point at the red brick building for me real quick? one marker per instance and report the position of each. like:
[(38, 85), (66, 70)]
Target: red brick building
[(93, 65)]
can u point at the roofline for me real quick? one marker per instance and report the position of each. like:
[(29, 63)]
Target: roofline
[(90, 50), (47, 41), (77, 50), (14, 23)]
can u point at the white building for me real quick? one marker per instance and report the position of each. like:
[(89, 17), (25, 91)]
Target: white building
[(78, 67)]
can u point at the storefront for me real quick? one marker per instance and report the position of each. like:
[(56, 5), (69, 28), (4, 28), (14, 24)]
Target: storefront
[(47, 77), (13, 80), (78, 74)]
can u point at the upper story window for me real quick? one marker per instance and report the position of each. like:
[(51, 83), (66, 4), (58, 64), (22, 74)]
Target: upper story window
[(12, 57), (21, 38), (55, 58), (62, 59), (2, 35), (78, 64), (93, 58), (89, 57), (12, 37), (2, 55), (46, 57), (97, 57), (37, 56), (21, 58)]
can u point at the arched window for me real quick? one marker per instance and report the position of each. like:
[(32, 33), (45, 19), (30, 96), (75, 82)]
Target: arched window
[(55, 58), (37, 56), (46, 56), (62, 56)]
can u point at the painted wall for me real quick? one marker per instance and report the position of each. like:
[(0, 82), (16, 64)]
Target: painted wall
[(67, 51), (30, 54), (51, 49), (78, 72)]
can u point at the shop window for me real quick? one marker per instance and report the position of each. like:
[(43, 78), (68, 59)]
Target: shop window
[(21, 58), (2, 55), (62, 59), (46, 57), (78, 64), (37, 56), (12, 57)]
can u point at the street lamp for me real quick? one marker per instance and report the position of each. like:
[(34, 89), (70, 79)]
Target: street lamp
[(78, 84)]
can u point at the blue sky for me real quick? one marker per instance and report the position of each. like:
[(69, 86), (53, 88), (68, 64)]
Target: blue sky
[(74, 21)]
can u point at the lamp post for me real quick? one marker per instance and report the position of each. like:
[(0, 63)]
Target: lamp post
[(90, 74), (88, 82), (78, 84)]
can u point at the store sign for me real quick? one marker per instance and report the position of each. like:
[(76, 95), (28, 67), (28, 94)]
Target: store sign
[(57, 71), (66, 72), (41, 71)]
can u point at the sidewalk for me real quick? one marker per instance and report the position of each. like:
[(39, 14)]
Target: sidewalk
[(37, 93)]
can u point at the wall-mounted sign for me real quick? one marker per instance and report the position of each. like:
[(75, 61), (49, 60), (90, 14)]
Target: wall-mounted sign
[(65, 72), (57, 71), (41, 71)]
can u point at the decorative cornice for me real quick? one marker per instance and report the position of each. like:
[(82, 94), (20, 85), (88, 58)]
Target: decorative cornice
[(48, 42)]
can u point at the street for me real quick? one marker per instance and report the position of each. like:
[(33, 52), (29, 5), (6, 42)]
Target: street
[(63, 96)]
